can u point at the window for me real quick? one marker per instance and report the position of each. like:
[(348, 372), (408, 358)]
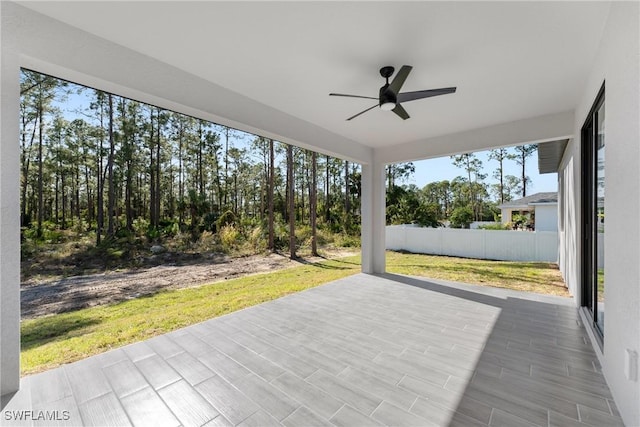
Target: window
[(593, 215)]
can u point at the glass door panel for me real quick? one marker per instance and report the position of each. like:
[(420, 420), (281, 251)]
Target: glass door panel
[(593, 215), (599, 216)]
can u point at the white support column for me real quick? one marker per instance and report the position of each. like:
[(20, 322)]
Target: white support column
[(373, 218), (9, 216)]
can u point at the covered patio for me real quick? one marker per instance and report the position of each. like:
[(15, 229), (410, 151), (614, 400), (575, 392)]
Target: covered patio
[(373, 348), (365, 350)]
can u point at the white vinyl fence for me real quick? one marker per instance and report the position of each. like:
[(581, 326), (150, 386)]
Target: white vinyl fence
[(505, 245)]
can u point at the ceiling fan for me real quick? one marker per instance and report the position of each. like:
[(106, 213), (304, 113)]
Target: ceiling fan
[(390, 96)]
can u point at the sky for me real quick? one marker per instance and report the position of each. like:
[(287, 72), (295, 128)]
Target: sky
[(442, 168)]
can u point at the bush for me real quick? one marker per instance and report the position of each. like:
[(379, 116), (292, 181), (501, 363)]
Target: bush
[(281, 235), (210, 221), (140, 226), (303, 233), (169, 228), (498, 226), (461, 217), (347, 241), (50, 233), (205, 241), (228, 236), (257, 240), (227, 218)]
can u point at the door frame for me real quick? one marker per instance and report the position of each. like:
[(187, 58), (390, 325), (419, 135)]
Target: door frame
[(589, 235)]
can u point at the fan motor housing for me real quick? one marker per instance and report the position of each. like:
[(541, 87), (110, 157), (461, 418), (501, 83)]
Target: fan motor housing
[(387, 95)]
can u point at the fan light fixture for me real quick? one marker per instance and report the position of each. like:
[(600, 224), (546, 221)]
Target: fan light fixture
[(390, 98), (388, 106)]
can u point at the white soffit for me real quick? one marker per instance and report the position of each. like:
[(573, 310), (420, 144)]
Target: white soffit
[(550, 155), (509, 60)]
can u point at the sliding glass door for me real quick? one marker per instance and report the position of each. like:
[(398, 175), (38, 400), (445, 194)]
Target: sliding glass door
[(593, 196)]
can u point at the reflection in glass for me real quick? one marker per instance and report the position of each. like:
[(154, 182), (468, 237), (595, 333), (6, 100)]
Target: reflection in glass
[(599, 214)]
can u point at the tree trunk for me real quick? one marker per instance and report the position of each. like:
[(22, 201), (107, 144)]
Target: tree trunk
[(111, 196), (272, 166), (180, 176), (226, 166), (501, 180), (99, 176), (292, 213), (200, 155), (313, 204), (347, 198), (127, 149), (25, 174), (524, 177), (40, 166), (152, 175), (64, 202), (327, 204), (56, 202), (77, 195), (158, 197), (302, 200)]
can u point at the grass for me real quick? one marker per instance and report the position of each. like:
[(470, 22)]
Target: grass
[(53, 340), (539, 277), (50, 341)]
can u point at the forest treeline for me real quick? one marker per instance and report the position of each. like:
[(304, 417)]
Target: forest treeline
[(116, 167), (96, 163)]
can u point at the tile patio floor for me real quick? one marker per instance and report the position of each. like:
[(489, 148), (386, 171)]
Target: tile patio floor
[(365, 350)]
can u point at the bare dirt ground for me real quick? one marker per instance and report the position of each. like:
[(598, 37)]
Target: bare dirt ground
[(44, 296)]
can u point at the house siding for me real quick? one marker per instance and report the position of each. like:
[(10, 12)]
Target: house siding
[(546, 217), (617, 64)]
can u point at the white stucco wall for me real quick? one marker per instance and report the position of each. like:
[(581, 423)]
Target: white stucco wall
[(617, 63), (546, 217), (9, 219)]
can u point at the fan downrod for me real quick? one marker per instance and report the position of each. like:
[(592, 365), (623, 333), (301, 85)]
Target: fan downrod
[(387, 71)]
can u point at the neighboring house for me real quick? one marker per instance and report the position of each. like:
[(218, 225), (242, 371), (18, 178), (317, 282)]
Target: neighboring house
[(542, 207)]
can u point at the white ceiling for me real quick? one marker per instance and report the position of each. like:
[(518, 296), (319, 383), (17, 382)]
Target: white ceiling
[(509, 60)]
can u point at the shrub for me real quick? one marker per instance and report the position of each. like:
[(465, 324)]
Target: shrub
[(497, 226), (205, 241), (140, 226), (228, 236), (347, 241), (461, 217), (210, 221), (257, 239), (227, 218), (303, 233)]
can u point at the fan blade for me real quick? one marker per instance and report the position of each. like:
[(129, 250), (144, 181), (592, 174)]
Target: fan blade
[(399, 79), (400, 111), (362, 112), (411, 96), (351, 96)]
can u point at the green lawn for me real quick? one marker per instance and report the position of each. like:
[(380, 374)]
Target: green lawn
[(51, 341), (540, 277)]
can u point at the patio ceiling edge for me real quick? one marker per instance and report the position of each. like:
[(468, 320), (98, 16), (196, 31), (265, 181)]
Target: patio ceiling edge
[(526, 131)]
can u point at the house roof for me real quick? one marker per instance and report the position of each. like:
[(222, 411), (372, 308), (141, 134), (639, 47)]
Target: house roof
[(532, 200)]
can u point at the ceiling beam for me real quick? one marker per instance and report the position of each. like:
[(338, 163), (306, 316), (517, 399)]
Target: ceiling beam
[(527, 131)]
